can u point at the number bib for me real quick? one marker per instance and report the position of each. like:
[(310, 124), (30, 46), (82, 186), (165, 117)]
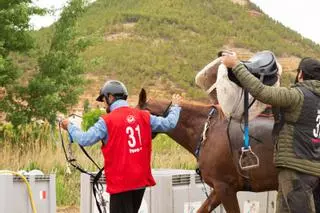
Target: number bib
[(127, 153), (307, 128)]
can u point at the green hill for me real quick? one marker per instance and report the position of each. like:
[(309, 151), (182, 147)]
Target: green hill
[(162, 44)]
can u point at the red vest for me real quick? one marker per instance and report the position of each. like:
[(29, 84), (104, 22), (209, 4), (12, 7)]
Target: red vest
[(127, 154)]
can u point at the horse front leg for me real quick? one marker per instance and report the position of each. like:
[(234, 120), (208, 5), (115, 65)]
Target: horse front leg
[(228, 197), (210, 203)]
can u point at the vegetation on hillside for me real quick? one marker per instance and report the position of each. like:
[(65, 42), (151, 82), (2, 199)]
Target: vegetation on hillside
[(140, 42)]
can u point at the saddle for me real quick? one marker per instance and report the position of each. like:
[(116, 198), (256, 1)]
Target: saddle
[(263, 65)]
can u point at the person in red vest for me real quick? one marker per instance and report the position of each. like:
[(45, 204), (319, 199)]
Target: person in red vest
[(126, 133)]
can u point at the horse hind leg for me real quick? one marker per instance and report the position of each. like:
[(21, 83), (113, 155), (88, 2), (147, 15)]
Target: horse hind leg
[(210, 203)]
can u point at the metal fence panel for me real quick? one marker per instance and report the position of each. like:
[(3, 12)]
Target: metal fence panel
[(14, 197)]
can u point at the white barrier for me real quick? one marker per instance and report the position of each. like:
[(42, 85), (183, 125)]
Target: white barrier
[(178, 191), (14, 197)]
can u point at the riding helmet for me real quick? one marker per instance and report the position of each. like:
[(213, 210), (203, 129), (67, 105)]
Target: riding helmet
[(114, 88)]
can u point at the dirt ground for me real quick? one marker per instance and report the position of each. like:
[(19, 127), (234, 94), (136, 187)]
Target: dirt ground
[(69, 209)]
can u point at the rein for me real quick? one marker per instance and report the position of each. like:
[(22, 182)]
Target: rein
[(204, 133), (166, 111), (96, 186), (69, 154), (201, 142)]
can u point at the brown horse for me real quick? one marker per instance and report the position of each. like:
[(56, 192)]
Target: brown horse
[(220, 151)]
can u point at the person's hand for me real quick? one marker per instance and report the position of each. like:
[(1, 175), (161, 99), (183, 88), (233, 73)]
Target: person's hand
[(176, 99), (65, 123), (230, 60)]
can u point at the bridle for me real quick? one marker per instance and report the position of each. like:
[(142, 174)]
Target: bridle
[(163, 114)]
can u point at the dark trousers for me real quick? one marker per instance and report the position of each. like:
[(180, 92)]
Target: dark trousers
[(126, 202), (295, 192), (316, 196)]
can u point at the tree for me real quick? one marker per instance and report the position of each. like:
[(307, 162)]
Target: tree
[(14, 36), (57, 84)]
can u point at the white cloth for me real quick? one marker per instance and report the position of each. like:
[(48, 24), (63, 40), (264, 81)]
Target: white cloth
[(229, 95)]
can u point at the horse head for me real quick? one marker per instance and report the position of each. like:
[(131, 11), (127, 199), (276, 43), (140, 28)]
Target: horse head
[(155, 107), (158, 108), (191, 122)]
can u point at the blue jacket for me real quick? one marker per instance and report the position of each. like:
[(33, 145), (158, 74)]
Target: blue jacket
[(100, 132)]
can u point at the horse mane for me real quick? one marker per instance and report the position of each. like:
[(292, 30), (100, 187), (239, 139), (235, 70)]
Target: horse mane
[(195, 106)]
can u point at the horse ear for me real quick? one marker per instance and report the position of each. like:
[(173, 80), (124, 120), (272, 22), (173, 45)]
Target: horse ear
[(142, 97)]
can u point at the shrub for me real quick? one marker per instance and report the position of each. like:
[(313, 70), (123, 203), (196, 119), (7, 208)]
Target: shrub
[(91, 117)]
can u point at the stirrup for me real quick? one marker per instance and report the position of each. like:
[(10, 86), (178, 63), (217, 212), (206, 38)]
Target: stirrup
[(248, 159)]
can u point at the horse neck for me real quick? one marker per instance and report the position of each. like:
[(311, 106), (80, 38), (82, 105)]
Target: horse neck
[(190, 126)]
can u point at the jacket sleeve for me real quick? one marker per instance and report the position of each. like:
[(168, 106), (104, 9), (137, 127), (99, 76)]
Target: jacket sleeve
[(275, 96), (93, 135), (165, 124)]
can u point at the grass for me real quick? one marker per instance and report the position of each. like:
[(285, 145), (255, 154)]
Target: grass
[(169, 154)]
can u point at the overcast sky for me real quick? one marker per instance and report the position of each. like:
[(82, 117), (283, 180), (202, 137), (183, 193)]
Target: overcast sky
[(302, 16), (43, 21)]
